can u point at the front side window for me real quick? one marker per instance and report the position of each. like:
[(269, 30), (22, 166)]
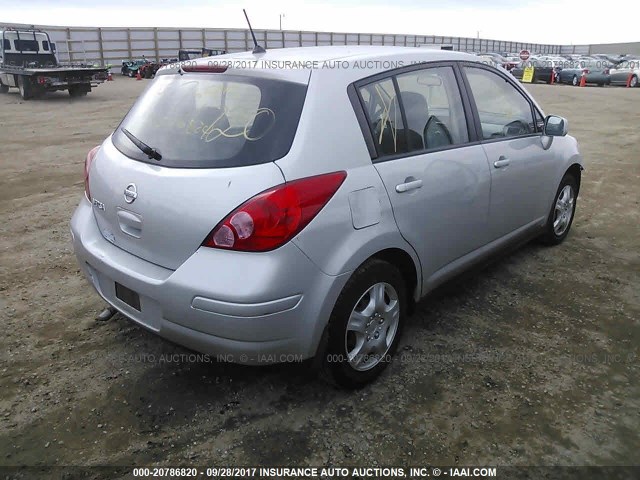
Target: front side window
[(503, 110), (433, 109)]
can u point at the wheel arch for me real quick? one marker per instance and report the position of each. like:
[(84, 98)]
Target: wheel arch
[(576, 171), (408, 269), (411, 272)]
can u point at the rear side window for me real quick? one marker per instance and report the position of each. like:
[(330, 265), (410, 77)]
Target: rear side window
[(427, 115), (213, 120), (503, 110), (45, 45), (433, 108)]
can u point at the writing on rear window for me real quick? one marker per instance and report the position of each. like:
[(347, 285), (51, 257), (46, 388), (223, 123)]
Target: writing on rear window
[(219, 120)]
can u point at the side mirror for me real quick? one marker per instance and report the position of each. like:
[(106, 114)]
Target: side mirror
[(555, 126)]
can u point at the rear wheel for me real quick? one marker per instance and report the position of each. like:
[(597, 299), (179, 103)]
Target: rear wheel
[(25, 88), (634, 81), (562, 211), (575, 81), (365, 325), (130, 73), (4, 88), (77, 92)]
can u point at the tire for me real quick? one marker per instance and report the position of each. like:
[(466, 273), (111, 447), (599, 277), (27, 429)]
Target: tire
[(77, 92), (130, 73), (562, 211), (25, 88), (374, 340), (634, 81), (4, 88), (574, 81)]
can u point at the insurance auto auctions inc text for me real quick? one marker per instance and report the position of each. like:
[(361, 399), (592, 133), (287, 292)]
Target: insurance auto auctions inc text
[(376, 472)]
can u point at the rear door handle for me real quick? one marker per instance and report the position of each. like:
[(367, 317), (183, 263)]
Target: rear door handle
[(501, 162), (405, 187)]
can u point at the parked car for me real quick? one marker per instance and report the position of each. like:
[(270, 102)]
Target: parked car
[(506, 63), (596, 71), (262, 215), (149, 69), (542, 70), (130, 68), (626, 71)]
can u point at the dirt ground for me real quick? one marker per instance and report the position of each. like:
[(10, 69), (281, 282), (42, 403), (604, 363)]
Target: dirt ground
[(530, 361)]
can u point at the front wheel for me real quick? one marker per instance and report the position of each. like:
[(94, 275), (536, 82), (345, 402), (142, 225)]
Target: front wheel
[(4, 88), (562, 212), (365, 325), (575, 81)]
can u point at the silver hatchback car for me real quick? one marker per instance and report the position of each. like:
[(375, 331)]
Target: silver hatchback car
[(295, 204)]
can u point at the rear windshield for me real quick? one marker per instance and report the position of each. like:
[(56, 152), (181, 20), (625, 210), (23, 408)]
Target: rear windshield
[(26, 45), (209, 120)]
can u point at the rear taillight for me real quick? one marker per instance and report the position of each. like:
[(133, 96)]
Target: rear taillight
[(275, 216), (87, 168)]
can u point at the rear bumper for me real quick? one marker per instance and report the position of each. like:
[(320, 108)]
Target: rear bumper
[(240, 307)]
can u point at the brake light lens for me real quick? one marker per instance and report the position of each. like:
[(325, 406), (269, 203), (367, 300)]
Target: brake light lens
[(273, 217), (87, 168), (204, 68)]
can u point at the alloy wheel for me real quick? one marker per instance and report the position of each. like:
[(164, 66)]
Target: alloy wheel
[(563, 210), (372, 326)]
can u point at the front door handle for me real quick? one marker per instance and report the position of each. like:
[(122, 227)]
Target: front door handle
[(501, 162), (405, 187)]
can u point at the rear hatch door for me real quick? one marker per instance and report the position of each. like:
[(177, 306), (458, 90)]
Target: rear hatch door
[(217, 136)]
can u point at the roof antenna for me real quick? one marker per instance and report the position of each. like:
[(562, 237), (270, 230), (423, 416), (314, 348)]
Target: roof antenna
[(257, 48)]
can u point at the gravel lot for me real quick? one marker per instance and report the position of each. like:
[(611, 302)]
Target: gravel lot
[(530, 361)]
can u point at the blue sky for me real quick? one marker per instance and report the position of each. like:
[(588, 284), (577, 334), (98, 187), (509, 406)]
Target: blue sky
[(541, 21)]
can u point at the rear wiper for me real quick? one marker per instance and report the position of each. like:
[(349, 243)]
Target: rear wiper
[(144, 148)]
